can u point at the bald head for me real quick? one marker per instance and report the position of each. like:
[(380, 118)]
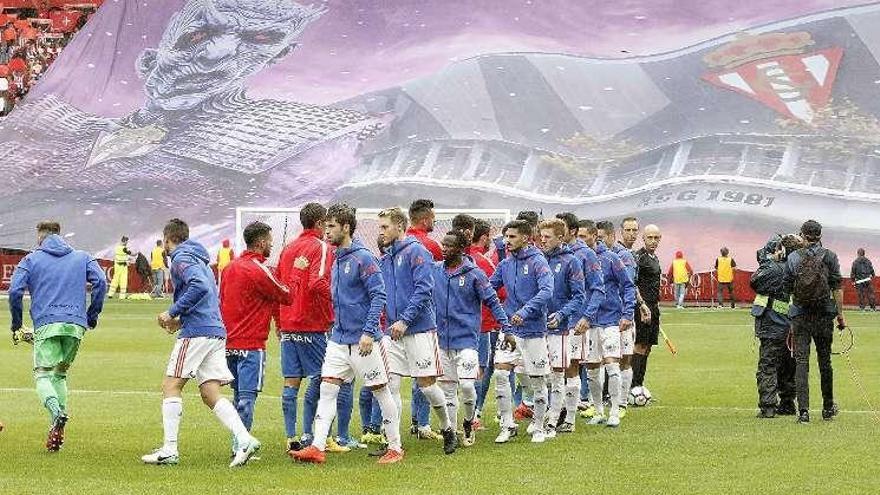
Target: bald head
[(651, 237)]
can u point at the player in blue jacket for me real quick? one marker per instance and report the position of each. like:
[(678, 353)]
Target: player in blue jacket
[(460, 290), (577, 390), (529, 283), (200, 350), (627, 337), (55, 275), (615, 315), (411, 340), (564, 310), (355, 348)]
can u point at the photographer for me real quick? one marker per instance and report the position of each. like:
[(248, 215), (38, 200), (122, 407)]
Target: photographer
[(776, 366), (812, 276)]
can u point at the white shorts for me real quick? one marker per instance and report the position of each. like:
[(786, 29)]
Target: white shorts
[(416, 355), (603, 343), (344, 362), (628, 341), (565, 348), (530, 355), (201, 358), (459, 364)]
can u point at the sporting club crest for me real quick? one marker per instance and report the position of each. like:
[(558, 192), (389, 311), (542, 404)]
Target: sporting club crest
[(777, 70)]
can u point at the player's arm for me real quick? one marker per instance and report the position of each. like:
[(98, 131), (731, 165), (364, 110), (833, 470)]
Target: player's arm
[(576, 288), (496, 280), (17, 286), (269, 287), (95, 276), (423, 287), (595, 284), (196, 289), (541, 298), (628, 289), (371, 276), (319, 277), (490, 298)]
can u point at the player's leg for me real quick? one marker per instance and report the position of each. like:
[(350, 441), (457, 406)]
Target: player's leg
[(423, 356), (577, 353), (466, 366), (249, 384), (311, 350), (611, 353), (627, 348), (485, 380), (373, 369), (172, 412), (536, 364), (506, 358), (344, 407), (449, 382), (595, 374), (558, 346), (212, 373), (47, 356), (292, 371)]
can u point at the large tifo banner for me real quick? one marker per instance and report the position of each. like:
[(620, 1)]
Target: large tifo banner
[(722, 122)]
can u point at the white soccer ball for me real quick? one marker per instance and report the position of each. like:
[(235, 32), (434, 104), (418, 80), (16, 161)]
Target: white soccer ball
[(639, 396)]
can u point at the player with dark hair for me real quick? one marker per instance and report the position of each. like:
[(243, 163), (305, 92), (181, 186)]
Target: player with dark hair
[(615, 316), (249, 297), (466, 224), (355, 349), (200, 350), (576, 382), (529, 282), (460, 291), (628, 336)]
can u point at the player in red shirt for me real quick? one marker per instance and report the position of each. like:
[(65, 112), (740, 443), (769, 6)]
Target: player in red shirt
[(305, 266), (249, 297)]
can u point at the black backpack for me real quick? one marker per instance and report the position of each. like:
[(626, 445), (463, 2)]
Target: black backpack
[(811, 289)]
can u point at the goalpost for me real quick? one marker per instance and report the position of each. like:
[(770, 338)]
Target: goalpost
[(286, 226)]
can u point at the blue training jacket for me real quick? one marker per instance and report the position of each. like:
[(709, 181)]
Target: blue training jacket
[(358, 290), (568, 288), (196, 299), (409, 279), (529, 283), (626, 256), (620, 292), (594, 281), (56, 276), (458, 296)]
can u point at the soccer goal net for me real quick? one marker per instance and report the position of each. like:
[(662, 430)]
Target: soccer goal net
[(286, 225)]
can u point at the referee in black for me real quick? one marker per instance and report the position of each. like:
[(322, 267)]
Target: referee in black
[(648, 274)]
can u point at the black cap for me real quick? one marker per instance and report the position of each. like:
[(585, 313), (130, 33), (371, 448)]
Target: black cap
[(812, 230)]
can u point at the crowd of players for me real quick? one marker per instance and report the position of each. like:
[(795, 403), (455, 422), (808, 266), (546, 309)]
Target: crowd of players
[(572, 298)]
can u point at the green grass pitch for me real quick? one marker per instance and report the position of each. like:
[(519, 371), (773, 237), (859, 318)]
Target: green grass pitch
[(700, 436)]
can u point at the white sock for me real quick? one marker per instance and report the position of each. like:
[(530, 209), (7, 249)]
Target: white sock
[(597, 382), (172, 410), (437, 400), (557, 384), (626, 381), (468, 398), (614, 387), (390, 417), (394, 388), (325, 413), (450, 393), (502, 396), (538, 386), (572, 397), (226, 413)]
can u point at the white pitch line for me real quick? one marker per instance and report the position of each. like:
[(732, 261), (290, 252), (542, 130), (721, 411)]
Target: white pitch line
[(276, 397)]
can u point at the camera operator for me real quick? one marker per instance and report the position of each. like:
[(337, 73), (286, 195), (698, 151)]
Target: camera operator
[(776, 366), (812, 276)]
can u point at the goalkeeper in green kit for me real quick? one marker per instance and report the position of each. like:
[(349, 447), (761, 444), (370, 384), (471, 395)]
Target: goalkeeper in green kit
[(56, 276)]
